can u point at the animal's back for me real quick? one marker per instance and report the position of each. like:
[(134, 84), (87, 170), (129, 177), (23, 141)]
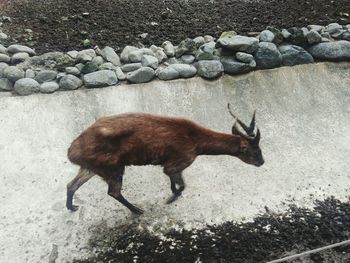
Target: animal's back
[(133, 139)]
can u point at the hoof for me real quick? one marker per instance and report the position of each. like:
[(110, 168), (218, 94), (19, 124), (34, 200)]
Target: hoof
[(172, 199), (73, 208), (137, 211)]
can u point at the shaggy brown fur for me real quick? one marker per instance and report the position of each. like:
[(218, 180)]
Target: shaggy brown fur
[(112, 143)]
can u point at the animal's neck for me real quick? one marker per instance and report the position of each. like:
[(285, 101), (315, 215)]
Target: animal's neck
[(216, 143)]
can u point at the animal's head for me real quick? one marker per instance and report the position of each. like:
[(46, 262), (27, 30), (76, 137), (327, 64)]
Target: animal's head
[(250, 151)]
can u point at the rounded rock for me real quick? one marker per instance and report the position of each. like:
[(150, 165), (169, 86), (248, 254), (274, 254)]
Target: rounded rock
[(13, 73), (70, 82), (4, 58), (26, 86), (49, 87), (100, 78), (73, 71), (19, 57), (175, 71), (46, 75), (109, 55), (209, 69), (267, 55), (142, 75), (5, 85), (20, 48), (266, 36)]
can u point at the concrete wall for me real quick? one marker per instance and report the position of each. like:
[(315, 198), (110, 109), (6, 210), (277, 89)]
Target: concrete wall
[(303, 114)]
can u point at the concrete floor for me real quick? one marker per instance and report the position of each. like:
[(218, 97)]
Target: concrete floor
[(303, 113)]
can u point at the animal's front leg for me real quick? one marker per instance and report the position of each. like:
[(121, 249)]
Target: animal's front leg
[(176, 180), (114, 190)]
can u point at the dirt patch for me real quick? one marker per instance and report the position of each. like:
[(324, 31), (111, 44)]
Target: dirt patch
[(63, 24), (269, 236)]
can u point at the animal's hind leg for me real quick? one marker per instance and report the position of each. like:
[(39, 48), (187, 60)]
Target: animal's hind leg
[(82, 177), (114, 190), (176, 180)]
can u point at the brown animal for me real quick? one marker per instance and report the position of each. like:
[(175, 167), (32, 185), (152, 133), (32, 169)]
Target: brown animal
[(112, 143)]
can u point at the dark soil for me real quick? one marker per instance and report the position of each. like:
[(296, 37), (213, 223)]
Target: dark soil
[(270, 236), (62, 25)]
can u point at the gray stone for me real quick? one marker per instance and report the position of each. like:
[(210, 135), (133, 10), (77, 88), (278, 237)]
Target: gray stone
[(316, 28), (131, 67), (120, 73), (5, 85), (333, 28), (334, 51), (73, 71), (124, 56), (278, 36), (19, 57), (149, 51), (20, 48), (206, 51), (266, 36), (107, 65), (346, 36), (208, 38), (26, 86), (294, 55), (49, 87), (3, 49), (199, 41), (187, 46), (70, 82), (171, 61), (209, 68), (98, 60), (2, 67), (100, 78), (187, 59), (305, 31), (232, 66), (149, 61), (285, 33), (79, 66), (3, 36), (110, 55), (324, 39), (30, 73), (169, 49), (5, 58), (313, 37), (297, 36), (244, 57), (89, 67), (326, 35), (175, 71), (160, 55), (45, 76), (60, 75), (13, 73), (86, 55), (135, 56), (267, 55), (142, 75), (239, 43), (73, 54)]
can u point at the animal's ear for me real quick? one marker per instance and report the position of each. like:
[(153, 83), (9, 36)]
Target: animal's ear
[(256, 139)]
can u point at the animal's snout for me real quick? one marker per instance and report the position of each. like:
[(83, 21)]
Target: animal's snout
[(258, 164)]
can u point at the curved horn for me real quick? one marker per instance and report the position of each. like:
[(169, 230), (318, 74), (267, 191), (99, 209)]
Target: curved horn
[(249, 130), (236, 130)]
